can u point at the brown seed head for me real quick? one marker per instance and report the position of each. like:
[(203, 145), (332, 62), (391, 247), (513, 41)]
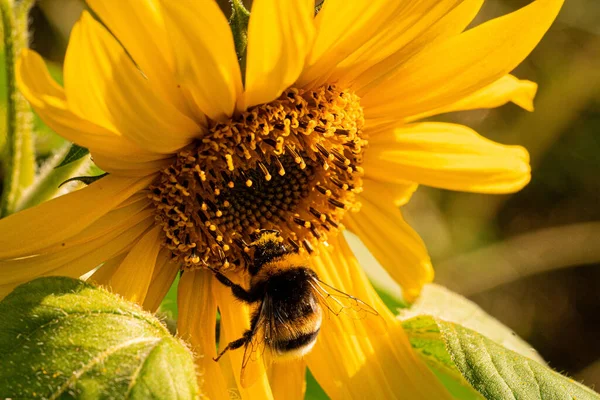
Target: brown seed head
[(292, 165)]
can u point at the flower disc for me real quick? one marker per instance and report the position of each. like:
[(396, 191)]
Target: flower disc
[(292, 165)]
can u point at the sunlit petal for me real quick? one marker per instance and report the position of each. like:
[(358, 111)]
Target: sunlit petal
[(73, 263), (447, 156), (418, 24), (131, 281), (235, 320), (105, 272), (163, 276), (63, 217), (453, 69), (397, 247), (280, 34), (139, 26), (50, 102), (103, 84), (196, 323), (206, 65), (288, 379), (374, 366), (504, 90), (341, 30)]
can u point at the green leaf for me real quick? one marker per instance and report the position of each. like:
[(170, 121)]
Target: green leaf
[(459, 389), (74, 154), (64, 338), (489, 368), (314, 391), (238, 22), (437, 301), (425, 338), (88, 180), (390, 299)]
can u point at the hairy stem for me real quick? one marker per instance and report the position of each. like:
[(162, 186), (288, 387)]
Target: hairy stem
[(19, 158)]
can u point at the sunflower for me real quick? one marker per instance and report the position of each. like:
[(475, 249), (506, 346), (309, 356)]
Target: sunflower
[(315, 133)]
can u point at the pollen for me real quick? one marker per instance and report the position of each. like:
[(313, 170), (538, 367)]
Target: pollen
[(292, 165)]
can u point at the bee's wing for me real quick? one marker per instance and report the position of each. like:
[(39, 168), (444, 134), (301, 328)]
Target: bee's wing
[(256, 358), (340, 304)]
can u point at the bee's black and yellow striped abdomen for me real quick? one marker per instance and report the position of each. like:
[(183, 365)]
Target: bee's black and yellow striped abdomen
[(295, 313)]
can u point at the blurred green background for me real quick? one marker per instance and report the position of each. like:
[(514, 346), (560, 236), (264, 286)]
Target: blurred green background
[(531, 259)]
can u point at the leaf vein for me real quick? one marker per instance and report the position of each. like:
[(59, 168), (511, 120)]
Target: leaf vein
[(534, 379), (99, 358), (138, 369)]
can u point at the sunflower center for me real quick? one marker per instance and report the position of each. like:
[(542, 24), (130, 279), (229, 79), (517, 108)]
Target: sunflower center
[(292, 165)]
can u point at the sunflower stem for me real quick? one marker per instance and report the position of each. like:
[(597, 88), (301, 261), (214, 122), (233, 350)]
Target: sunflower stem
[(239, 27), (19, 158)]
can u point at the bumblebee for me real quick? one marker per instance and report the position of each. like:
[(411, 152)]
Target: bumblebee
[(288, 301)]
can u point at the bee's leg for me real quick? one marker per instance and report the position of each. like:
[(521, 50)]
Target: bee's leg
[(238, 291), (236, 344)]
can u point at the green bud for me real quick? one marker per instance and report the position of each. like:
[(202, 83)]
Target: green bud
[(64, 338)]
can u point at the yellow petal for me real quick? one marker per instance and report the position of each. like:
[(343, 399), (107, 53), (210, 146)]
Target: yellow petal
[(163, 276), (288, 380), (229, 374), (103, 84), (25, 233), (401, 193), (353, 362), (104, 273), (49, 101), (74, 262), (504, 90), (418, 24), (142, 195), (397, 247), (280, 34), (342, 28), (453, 69), (447, 156), (196, 323), (132, 279), (140, 27), (130, 166), (125, 215), (235, 320), (19, 269), (205, 61)]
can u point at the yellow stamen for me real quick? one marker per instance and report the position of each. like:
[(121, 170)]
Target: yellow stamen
[(292, 165)]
